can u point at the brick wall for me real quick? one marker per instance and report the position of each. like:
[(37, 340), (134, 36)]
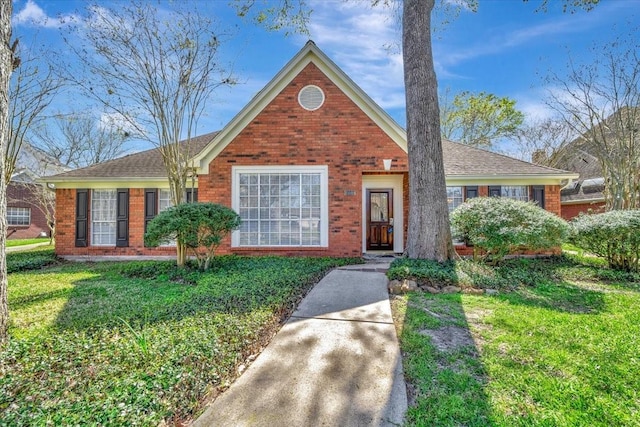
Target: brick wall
[(22, 196), (571, 211), (338, 135), (65, 229), (552, 198)]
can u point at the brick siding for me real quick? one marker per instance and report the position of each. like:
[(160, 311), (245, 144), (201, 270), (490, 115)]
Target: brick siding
[(571, 211), (338, 135), (22, 196)]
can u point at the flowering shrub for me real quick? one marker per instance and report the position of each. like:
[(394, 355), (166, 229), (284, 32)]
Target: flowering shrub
[(613, 235), (498, 226)]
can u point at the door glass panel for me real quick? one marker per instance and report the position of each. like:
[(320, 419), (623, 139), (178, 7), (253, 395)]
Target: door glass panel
[(379, 207)]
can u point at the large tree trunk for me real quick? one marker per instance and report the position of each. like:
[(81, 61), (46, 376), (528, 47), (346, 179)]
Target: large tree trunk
[(429, 235), (6, 67)]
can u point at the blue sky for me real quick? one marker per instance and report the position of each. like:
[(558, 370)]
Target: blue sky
[(505, 48)]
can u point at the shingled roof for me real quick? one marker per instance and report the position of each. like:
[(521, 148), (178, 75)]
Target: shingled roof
[(464, 160), (460, 160), (145, 164)]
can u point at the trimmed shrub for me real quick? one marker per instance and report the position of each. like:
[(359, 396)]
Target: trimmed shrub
[(199, 226), (498, 226), (613, 235)]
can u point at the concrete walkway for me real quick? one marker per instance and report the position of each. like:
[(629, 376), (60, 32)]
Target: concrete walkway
[(336, 362)]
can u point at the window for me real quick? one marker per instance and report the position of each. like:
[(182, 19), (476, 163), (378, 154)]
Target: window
[(281, 206), (164, 200), (454, 197), (516, 192), (103, 217), (18, 216)]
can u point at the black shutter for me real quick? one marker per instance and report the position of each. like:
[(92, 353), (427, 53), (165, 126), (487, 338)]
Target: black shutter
[(150, 205), (82, 217), (538, 195), (192, 195), (470, 192), (495, 191), (122, 218)]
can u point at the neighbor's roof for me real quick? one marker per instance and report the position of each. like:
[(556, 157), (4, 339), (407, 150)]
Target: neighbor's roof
[(144, 165), (584, 191)]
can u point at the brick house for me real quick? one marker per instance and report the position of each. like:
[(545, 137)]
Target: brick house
[(27, 199), (25, 210), (312, 165)]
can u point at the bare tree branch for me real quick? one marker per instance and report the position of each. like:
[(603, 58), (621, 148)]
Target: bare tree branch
[(157, 70), (600, 101), (32, 90)]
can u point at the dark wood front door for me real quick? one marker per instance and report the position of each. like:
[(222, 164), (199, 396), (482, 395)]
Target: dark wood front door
[(380, 220)]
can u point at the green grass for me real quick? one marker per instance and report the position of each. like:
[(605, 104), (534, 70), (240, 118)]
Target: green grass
[(23, 242), (560, 350), (142, 342)]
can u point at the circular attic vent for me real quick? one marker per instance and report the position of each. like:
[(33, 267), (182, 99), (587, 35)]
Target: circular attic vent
[(311, 97)]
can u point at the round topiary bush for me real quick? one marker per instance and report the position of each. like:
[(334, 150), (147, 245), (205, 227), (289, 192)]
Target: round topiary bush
[(498, 226), (200, 227), (613, 235)]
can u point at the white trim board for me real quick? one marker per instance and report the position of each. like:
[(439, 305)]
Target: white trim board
[(395, 182)]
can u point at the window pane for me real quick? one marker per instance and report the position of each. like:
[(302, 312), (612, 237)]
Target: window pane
[(18, 216), (379, 206), (454, 197), (274, 205), (516, 192), (103, 217)]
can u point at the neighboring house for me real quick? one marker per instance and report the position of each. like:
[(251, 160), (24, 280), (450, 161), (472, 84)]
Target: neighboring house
[(581, 155), (586, 193), (312, 165), (27, 201)]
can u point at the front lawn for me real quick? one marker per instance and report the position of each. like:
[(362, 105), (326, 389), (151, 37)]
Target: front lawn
[(558, 345), (137, 343), (23, 242)]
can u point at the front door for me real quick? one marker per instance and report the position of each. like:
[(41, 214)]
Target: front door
[(380, 220)]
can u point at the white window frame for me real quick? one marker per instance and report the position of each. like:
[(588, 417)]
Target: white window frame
[(164, 203), (455, 200), (112, 210), (323, 170), (18, 214), (505, 192)]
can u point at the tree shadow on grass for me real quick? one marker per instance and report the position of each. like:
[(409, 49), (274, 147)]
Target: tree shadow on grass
[(145, 292), (442, 340), (110, 296), (446, 379)]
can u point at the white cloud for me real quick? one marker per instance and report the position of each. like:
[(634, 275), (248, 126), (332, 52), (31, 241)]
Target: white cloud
[(499, 40), (364, 42), (32, 14)]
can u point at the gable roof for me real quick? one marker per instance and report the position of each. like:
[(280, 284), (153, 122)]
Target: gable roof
[(460, 161), (310, 53)]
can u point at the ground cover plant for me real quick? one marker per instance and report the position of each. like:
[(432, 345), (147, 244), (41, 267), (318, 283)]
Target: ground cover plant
[(32, 259), (137, 343), (558, 347)]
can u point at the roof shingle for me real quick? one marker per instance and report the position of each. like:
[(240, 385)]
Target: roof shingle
[(145, 164), (459, 160)]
